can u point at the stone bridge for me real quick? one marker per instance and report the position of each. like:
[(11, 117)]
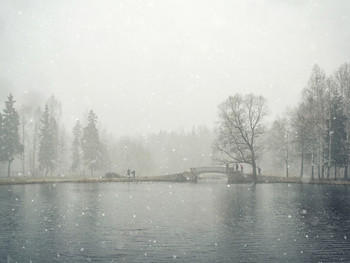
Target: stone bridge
[(195, 172)]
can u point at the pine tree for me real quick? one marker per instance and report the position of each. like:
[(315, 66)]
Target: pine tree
[(11, 143), (76, 147), (90, 143), (48, 142)]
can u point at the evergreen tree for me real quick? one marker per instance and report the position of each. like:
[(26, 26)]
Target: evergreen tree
[(90, 143), (76, 147), (48, 142), (11, 143)]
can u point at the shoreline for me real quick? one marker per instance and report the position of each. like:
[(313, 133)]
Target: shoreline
[(52, 180), (298, 180), (174, 178)]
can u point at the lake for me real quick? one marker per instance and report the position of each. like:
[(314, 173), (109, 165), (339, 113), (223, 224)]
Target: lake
[(161, 222)]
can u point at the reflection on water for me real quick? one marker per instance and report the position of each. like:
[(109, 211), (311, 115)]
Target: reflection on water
[(158, 222)]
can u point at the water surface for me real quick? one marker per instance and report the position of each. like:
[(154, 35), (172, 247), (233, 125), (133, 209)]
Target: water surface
[(162, 222)]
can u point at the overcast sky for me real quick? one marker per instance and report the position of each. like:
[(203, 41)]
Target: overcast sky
[(143, 66)]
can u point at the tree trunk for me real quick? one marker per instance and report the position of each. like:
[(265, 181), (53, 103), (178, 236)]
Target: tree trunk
[(287, 171), (23, 163), (23, 144), (254, 170), (312, 172), (302, 161), (323, 171), (34, 149), (346, 172), (347, 148), (253, 164), (335, 171), (328, 172), (9, 168)]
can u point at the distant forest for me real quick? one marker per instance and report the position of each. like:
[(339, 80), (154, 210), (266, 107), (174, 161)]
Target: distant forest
[(38, 144), (311, 139)]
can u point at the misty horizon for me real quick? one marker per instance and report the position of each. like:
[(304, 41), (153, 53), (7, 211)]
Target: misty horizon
[(163, 65)]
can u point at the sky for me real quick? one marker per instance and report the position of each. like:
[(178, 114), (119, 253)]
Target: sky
[(145, 66)]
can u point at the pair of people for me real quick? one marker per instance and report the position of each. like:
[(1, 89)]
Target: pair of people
[(132, 172), (259, 169), (241, 167)]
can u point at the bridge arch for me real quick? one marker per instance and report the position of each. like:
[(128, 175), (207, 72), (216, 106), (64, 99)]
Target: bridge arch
[(226, 170), (212, 169), (233, 176)]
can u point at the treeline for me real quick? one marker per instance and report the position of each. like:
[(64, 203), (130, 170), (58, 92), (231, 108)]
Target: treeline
[(309, 140), (33, 137), (313, 138), (36, 139)]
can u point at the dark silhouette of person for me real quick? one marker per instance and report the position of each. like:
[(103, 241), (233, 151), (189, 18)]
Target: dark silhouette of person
[(128, 172), (259, 170), (236, 166), (242, 168)]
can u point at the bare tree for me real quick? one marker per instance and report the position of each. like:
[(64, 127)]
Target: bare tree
[(240, 127)]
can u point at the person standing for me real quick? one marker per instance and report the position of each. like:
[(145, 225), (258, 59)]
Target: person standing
[(241, 168), (128, 173), (236, 166)]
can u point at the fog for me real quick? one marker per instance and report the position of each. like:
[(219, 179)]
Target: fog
[(145, 66), (132, 170)]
